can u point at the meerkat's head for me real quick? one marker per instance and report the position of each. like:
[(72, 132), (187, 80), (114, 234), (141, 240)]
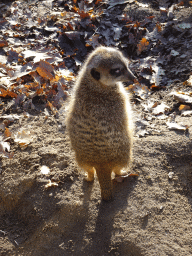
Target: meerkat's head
[(108, 66)]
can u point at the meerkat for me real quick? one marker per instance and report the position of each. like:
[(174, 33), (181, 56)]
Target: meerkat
[(99, 119)]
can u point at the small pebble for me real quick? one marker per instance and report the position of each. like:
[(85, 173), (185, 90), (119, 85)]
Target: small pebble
[(170, 175)]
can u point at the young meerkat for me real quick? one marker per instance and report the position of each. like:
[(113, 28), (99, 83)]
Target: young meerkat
[(99, 118)]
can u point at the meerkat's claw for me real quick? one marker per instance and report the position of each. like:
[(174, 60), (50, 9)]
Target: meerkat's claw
[(121, 173)]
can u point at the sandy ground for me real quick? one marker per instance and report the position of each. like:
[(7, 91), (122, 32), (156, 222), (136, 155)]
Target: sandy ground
[(150, 215)]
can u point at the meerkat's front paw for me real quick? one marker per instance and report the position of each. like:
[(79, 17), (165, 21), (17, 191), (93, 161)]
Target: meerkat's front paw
[(89, 173), (89, 177), (119, 172)]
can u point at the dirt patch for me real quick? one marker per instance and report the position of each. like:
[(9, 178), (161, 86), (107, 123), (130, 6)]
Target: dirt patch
[(148, 214)]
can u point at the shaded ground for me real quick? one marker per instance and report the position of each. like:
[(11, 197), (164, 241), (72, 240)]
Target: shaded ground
[(150, 215)]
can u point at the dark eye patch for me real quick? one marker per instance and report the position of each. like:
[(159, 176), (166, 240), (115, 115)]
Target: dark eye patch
[(116, 72), (95, 74)]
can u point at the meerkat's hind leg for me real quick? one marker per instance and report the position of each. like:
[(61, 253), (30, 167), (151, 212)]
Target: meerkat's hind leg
[(119, 171), (89, 172)]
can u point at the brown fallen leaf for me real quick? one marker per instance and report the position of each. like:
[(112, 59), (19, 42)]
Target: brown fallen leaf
[(7, 133), (98, 1), (155, 87), (3, 43), (188, 82), (52, 108), (158, 26), (45, 70), (181, 3), (83, 14), (184, 107), (155, 105), (142, 46), (7, 94)]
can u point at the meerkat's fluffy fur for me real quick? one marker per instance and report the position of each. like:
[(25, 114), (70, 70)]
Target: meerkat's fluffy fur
[(99, 118)]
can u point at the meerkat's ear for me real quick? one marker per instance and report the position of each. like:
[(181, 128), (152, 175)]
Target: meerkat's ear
[(95, 74)]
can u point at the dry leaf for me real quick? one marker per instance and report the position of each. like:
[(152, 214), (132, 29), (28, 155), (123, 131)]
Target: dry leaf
[(45, 70), (98, 1), (155, 87), (11, 118), (83, 14), (155, 105), (39, 91), (7, 94), (123, 177), (175, 126), (4, 149), (186, 113), (181, 3), (7, 133), (160, 109), (93, 40), (52, 108), (23, 137), (188, 82), (181, 97), (158, 26), (70, 26), (139, 90), (51, 184), (142, 5), (142, 46), (3, 43), (4, 146), (184, 107)]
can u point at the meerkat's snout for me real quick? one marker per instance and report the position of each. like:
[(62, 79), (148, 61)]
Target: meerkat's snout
[(130, 75), (122, 73)]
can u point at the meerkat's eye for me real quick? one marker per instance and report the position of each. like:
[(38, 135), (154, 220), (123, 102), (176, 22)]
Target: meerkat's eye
[(115, 72), (95, 74)]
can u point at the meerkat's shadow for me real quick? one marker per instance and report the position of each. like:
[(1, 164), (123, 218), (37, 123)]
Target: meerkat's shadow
[(123, 189), (104, 228), (120, 189)]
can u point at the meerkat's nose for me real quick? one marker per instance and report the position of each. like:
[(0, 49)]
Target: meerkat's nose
[(131, 76)]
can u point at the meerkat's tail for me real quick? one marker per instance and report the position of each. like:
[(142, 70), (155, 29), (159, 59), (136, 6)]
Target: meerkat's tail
[(104, 176)]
